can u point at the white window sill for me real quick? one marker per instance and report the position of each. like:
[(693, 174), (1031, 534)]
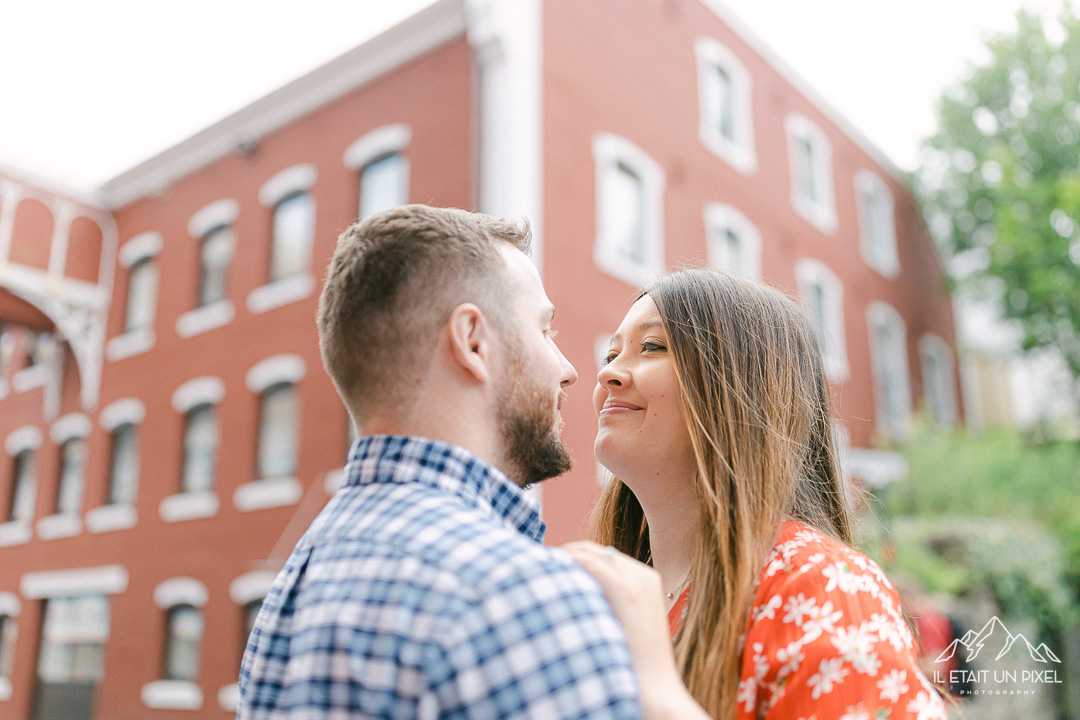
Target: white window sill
[(734, 154), (58, 526), (818, 215), (15, 533), (111, 517), (29, 378), (130, 343), (268, 493), (333, 479), (206, 318), (5, 688), (228, 697), (280, 292), (172, 695), (188, 506)]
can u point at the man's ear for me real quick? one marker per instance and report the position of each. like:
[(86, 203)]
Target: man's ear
[(471, 340)]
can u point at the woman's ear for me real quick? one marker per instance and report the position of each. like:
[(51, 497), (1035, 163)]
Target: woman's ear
[(471, 341)]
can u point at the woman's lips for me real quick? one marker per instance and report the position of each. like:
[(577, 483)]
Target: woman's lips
[(617, 407)]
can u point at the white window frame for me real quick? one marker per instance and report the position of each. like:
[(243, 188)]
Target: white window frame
[(144, 246), (176, 694), (808, 274), (221, 312), (819, 212), (931, 345), (881, 258), (290, 288), (738, 152), (386, 140), (610, 151), (877, 314), (719, 218), (10, 607), (27, 437)]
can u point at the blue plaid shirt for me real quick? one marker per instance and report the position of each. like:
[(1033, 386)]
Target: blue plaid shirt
[(422, 591)]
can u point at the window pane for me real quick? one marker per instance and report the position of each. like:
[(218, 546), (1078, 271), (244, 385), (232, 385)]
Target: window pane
[(805, 162), (185, 629), (277, 432), (142, 295), (623, 207), (725, 110), (8, 630), (7, 348), (215, 254), (383, 185), (72, 464), (24, 488), (200, 449), (734, 251), (73, 639), (294, 228), (124, 470)]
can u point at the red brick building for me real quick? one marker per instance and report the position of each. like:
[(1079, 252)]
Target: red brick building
[(168, 431)]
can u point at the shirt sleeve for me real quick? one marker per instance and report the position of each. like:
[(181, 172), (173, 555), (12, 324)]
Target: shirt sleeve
[(826, 639), (544, 645)]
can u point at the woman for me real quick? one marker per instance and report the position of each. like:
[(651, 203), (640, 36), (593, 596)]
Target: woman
[(713, 415)]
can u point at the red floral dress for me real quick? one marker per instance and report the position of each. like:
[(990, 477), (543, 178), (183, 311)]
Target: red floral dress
[(825, 639)]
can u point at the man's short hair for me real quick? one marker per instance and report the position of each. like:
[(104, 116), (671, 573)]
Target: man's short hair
[(394, 279)]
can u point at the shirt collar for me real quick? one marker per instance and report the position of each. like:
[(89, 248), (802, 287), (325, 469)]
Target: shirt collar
[(449, 468)]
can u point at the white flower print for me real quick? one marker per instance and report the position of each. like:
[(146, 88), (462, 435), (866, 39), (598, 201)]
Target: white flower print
[(893, 685), (822, 620), (856, 713), (830, 672), (797, 607), (925, 707), (768, 610), (747, 693)]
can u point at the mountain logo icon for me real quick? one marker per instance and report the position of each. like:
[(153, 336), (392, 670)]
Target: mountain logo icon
[(995, 639)]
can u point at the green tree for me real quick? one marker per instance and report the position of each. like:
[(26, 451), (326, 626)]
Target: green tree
[(1000, 181)]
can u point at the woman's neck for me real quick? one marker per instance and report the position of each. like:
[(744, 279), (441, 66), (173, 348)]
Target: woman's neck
[(672, 515)]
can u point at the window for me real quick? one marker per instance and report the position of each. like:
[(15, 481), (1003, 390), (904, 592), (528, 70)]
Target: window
[(383, 184), (72, 474), (9, 629), (877, 224), (72, 659), (277, 431), (822, 295), (142, 295), (811, 173), (215, 254), (734, 244), (726, 124), (184, 629), (379, 160), (23, 487), (293, 231), (38, 348), (937, 374), (629, 211), (123, 465), (251, 611), (7, 348), (892, 385), (200, 448)]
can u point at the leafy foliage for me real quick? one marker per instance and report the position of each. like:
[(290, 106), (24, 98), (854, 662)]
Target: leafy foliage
[(1000, 181)]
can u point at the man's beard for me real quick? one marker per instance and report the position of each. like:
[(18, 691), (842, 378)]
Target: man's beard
[(532, 449)]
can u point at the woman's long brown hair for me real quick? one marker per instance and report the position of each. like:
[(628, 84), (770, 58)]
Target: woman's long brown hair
[(756, 403)]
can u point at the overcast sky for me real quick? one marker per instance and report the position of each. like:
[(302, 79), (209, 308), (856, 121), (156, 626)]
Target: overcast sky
[(89, 88)]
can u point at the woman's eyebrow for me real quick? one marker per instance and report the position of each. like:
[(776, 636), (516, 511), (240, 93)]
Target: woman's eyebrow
[(640, 328)]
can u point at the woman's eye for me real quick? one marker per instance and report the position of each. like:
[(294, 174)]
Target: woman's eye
[(609, 358), (651, 347)]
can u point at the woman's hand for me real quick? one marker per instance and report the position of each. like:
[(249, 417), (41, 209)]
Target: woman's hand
[(637, 599)]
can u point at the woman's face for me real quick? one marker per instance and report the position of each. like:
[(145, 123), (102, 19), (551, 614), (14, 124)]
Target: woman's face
[(642, 432)]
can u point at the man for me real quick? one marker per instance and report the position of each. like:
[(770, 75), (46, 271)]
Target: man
[(422, 589)]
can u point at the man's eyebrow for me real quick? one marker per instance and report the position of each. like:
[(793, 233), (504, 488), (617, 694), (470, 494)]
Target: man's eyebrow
[(640, 328)]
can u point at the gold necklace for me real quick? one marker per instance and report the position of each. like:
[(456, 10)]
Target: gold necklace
[(671, 595)]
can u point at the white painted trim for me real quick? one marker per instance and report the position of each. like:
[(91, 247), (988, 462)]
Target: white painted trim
[(172, 695), (102, 580), (275, 369), (931, 344), (719, 217), (822, 212), (251, 586), (198, 391), (879, 313), (125, 411), (29, 378), (5, 688), (144, 245), (228, 697), (281, 292), (110, 518), (189, 506), (134, 342), (808, 273), (609, 151), (72, 425), (738, 152), (267, 493), (180, 591), (428, 29), (888, 264), (26, 437), (213, 215), (383, 140), (297, 178), (10, 605), (876, 468), (205, 318), (54, 527), (15, 532)]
